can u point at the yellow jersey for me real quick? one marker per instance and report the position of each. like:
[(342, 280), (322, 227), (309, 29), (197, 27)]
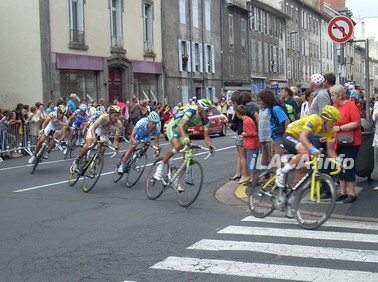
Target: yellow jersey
[(312, 123)]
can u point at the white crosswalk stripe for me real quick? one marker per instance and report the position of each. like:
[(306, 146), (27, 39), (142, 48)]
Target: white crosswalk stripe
[(248, 238)]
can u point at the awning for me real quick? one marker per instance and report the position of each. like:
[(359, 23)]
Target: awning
[(79, 62), (147, 67)]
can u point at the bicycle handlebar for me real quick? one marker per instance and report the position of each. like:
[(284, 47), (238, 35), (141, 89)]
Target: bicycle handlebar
[(194, 146), (315, 161)]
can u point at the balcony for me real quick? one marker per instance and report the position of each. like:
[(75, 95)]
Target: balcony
[(77, 39), (117, 41)]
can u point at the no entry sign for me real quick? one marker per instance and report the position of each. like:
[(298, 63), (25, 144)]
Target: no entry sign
[(340, 29)]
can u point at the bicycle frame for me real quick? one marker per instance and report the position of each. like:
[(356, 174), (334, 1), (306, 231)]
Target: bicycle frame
[(184, 165)]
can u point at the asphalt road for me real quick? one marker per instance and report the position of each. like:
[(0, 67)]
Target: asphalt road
[(53, 232)]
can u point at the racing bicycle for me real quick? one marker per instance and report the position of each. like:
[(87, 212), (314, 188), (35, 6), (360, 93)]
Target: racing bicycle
[(186, 180), (310, 211)]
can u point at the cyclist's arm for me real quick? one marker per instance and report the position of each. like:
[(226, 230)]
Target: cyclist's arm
[(181, 128), (45, 123), (206, 138), (64, 133), (304, 139), (331, 150), (132, 137)]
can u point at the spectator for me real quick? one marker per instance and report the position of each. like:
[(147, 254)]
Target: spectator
[(72, 103), (134, 110), (101, 106), (176, 108), (265, 135), (50, 106), (250, 141), (34, 126), (143, 109), (230, 110), (93, 108), (306, 106), (224, 105), (287, 96), (348, 125)]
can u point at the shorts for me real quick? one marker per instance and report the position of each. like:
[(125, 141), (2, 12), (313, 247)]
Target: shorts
[(252, 156), (172, 132), (349, 171), (49, 127), (290, 143), (145, 139), (239, 140), (76, 124), (103, 137)]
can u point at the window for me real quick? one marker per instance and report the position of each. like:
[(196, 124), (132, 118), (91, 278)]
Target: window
[(209, 59), (184, 59), (182, 8), (211, 94), (266, 57), (83, 83), (197, 57), (231, 63), (195, 13), (208, 15), (184, 94), (116, 23), (231, 29), (243, 33), (77, 22), (148, 30)]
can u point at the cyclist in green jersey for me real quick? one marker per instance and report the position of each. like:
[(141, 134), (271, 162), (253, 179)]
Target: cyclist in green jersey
[(177, 130)]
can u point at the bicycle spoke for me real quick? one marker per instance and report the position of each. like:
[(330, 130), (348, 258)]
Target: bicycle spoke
[(93, 173), (154, 188), (191, 184), (39, 157), (116, 175), (261, 193), (136, 168), (310, 213), (74, 176)]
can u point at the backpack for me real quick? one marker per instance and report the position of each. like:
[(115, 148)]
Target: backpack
[(289, 111)]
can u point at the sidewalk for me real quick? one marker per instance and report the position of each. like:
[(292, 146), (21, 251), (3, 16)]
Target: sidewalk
[(365, 208)]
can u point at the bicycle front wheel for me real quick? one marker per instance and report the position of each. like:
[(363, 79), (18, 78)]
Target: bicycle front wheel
[(93, 173), (191, 184), (262, 192), (74, 176), (154, 188), (116, 175), (310, 213), (39, 157), (136, 168)]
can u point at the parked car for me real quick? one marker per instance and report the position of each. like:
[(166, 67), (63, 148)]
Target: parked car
[(218, 124)]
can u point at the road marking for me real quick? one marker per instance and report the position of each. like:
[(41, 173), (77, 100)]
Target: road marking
[(329, 222), (241, 191), (103, 174), (299, 233), (260, 270), (287, 250)]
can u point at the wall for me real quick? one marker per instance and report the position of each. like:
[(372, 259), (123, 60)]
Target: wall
[(20, 59)]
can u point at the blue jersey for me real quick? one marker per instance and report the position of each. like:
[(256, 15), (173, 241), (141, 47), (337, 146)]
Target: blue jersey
[(80, 118), (142, 129)]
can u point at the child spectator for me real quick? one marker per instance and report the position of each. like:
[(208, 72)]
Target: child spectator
[(250, 141)]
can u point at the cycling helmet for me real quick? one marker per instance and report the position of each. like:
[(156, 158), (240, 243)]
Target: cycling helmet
[(153, 116), (83, 107), (331, 113), (114, 109), (205, 104), (61, 109), (317, 79)]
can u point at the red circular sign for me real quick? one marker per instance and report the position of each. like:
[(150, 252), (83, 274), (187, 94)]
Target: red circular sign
[(340, 29)]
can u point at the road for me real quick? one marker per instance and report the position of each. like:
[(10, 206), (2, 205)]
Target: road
[(53, 232)]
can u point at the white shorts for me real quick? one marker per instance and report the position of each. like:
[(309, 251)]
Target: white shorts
[(49, 127)]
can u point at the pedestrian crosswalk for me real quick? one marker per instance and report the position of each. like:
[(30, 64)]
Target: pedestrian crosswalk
[(349, 248)]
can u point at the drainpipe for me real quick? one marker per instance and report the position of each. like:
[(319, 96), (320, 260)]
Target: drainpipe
[(49, 49), (191, 50), (221, 45), (204, 85), (163, 77)]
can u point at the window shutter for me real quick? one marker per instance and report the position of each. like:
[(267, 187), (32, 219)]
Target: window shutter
[(200, 58), (180, 56), (194, 59), (212, 60), (188, 50)]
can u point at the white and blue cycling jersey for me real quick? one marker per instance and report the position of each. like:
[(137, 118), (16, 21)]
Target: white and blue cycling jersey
[(143, 132), (80, 118)]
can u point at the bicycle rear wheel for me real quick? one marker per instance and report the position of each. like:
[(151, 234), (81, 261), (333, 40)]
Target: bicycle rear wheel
[(191, 185), (262, 192), (74, 176), (39, 157), (309, 213), (71, 146), (154, 188), (93, 173), (136, 168), (116, 175)]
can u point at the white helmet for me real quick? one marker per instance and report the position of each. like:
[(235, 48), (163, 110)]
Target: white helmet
[(83, 107), (153, 116)]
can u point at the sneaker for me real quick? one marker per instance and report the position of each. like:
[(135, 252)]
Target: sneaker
[(289, 213), (32, 159), (46, 156), (180, 189), (159, 172), (280, 178), (341, 197), (376, 188), (120, 169), (350, 199)]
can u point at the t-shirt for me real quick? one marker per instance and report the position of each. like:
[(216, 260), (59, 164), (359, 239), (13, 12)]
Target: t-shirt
[(280, 116), (312, 123), (321, 99), (349, 113), (249, 127)]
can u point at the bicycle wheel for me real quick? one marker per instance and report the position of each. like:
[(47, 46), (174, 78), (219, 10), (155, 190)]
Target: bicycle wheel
[(191, 184), (116, 175), (39, 157), (93, 173), (154, 188), (74, 176), (262, 192), (136, 168), (309, 213), (71, 146)]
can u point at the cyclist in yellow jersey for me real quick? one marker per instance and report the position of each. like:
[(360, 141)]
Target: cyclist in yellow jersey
[(101, 128), (296, 140)]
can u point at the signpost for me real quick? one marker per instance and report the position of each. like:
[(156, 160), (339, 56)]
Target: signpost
[(340, 29)]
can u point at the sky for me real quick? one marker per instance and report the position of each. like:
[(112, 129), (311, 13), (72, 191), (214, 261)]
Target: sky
[(363, 8)]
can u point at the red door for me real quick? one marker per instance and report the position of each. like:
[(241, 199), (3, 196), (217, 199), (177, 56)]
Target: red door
[(115, 84)]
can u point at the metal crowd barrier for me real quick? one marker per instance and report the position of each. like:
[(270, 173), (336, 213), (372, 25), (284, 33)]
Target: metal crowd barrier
[(18, 139)]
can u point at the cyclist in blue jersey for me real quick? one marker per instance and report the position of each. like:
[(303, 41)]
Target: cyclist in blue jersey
[(80, 118), (143, 129), (177, 130)]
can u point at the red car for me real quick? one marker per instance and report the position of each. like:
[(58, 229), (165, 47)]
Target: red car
[(218, 124)]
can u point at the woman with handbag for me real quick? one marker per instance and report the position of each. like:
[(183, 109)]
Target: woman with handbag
[(348, 141)]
